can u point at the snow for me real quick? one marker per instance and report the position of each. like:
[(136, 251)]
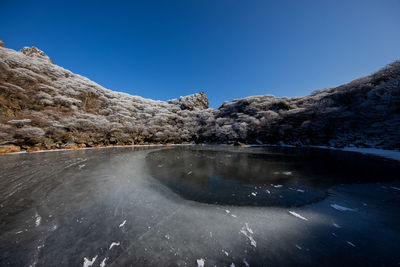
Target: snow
[(200, 262), (87, 262), (248, 233), (298, 215), (114, 244), (103, 263), (341, 208), (246, 263), (122, 224), (38, 219), (390, 154)]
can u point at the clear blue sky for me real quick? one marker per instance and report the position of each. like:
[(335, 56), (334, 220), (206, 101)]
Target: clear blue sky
[(229, 49)]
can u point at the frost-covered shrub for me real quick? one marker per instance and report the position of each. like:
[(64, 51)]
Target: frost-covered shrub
[(29, 132)]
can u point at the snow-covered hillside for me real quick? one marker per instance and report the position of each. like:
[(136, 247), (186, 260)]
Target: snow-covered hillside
[(44, 106)]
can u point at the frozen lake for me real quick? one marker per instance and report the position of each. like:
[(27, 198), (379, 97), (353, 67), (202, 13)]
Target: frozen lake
[(194, 205)]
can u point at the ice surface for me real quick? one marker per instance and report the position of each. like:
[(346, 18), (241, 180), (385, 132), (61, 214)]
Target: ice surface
[(88, 207)]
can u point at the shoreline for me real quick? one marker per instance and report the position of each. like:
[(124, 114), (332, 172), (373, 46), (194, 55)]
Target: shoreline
[(384, 153)]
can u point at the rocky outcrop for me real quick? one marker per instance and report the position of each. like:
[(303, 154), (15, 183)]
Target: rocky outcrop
[(43, 106), (191, 102), (35, 52)]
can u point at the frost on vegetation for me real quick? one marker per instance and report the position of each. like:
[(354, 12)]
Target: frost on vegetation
[(362, 112)]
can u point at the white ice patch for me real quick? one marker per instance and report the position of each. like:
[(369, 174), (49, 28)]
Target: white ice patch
[(226, 253), (189, 173), (299, 247), (122, 224), (246, 263), (248, 233), (232, 265), (87, 262), (160, 166), (341, 208), (300, 190), (351, 244), (200, 263), (18, 232), (227, 211), (38, 219), (277, 186), (103, 263), (114, 244), (395, 188), (254, 193), (287, 173), (248, 228), (233, 215), (336, 225), (335, 235), (81, 166), (298, 215), (266, 190)]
